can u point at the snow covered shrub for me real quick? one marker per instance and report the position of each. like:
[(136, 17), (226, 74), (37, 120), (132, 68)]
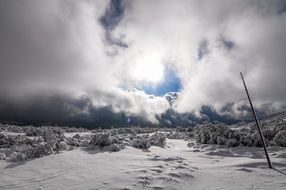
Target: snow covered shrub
[(280, 138), (101, 140), (113, 148), (269, 134), (73, 129), (127, 141), (50, 135), (42, 149), (34, 140), (224, 135), (73, 142), (33, 132), (232, 143), (24, 152), (11, 128), (145, 141), (211, 134), (17, 156), (7, 141), (2, 156), (3, 141), (77, 136), (185, 129), (126, 131), (78, 142), (106, 142), (115, 140), (18, 153), (190, 144), (280, 127), (246, 140), (221, 140), (157, 139), (141, 142), (256, 139), (234, 134), (61, 146)]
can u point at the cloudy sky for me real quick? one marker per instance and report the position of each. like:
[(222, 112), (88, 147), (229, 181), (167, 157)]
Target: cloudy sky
[(74, 59)]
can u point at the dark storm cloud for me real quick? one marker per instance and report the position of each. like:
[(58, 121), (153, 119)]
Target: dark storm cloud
[(53, 109), (111, 19), (63, 110), (80, 112), (113, 14)]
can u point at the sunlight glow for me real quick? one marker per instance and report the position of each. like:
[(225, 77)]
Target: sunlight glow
[(148, 69)]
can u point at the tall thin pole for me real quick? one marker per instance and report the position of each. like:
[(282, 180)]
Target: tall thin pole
[(257, 123)]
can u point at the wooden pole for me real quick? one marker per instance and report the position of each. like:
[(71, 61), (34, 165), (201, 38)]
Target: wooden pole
[(257, 123)]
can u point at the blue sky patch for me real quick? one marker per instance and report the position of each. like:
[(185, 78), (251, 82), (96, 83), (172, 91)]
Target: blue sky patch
[(169, 83)]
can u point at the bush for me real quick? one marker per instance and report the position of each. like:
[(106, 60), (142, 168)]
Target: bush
[(42, 149), (232, 143), (101, 140), (17, 156), (256, 139), (269, 134), (221, 140), (157, 140), (211, 134), (77, 136), (280, 138), (280, 127), (2, 156), (7, 141), (78, 142), (224, 135), (246, 140), (190, 144), (141, 142), (61, 146), (106, 142), (24, 152), (113, 148)]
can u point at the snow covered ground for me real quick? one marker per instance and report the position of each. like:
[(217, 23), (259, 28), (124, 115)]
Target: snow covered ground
[(177, 166)]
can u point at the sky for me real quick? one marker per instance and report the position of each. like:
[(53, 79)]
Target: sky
[(98, 62)]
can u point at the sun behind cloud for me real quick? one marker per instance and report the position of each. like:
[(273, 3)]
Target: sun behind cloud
[(148, 68)]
